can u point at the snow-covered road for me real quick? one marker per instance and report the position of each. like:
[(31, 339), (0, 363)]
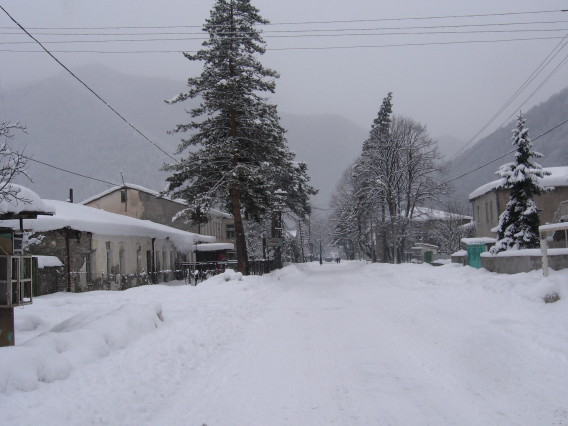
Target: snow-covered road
[(345, 344)]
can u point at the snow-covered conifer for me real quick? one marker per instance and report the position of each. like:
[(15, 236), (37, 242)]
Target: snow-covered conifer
[(242, 157), (518, 224)]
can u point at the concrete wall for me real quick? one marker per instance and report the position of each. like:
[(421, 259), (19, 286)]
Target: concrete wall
[(516, 264), (488, 207)]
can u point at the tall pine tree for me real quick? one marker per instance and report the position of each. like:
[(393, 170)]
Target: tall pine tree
[(518, 224), (242, 157)]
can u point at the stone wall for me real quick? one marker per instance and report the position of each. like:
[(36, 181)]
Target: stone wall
[(516, 264)]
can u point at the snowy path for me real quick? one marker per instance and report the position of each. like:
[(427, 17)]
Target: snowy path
[(348, 344), (333, 351)]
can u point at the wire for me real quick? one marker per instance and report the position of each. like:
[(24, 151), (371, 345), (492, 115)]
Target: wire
[(310, 22), (517, 93), (68, 171), (89, 89), (502, 156), (293, 36), (298, 48), (316, 30)]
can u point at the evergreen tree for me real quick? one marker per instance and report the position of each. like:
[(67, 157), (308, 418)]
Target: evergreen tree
[(243, 157), (518, 224)]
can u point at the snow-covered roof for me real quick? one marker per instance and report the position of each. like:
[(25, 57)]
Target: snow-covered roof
[(25, 202), (151, 192), (48, 262), (96, 221), (135, 187), (424, 214), (479, 240), (558, 177), (214, 246)]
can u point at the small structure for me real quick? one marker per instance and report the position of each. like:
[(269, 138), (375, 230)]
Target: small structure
[(16, 270), (423, 252), (471, 251)]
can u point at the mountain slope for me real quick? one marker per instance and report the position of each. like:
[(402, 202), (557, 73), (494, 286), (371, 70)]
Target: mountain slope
[(540, 119), (69, 128)]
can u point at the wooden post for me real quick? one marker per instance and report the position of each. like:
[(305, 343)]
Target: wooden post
[(7, 335), (68, 248)]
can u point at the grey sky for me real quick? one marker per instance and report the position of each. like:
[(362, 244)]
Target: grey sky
[(452, 88)]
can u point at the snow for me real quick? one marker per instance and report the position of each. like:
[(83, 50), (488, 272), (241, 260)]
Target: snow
[(423, 214), (558, 177), (527, 252), (48, 261), (89, 219), (26, 201), (479, 240), (347, 344), (214, 247)]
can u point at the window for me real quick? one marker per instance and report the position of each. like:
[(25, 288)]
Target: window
[(109, 257), (139, 260), (230, 230), (121, 261), (123, 196)]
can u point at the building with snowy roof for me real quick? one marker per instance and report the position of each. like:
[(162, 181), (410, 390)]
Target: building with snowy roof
[(490, 200), (103, 250), (143, 203)]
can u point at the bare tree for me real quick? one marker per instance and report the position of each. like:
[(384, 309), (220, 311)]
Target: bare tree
[(447, 231), (401, 172), (12, 162), (352, 217)]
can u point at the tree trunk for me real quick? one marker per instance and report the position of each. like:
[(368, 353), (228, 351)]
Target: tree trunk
[(242, 256)]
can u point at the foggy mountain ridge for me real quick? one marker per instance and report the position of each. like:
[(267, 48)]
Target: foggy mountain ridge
[(71, 129), (539, 119)]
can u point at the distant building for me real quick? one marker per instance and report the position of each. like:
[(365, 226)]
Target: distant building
[(146, 204), (490, 200)]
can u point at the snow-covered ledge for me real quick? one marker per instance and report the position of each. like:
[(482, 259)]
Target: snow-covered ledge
[(516, 261)]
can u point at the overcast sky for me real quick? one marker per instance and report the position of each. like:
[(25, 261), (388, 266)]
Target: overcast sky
[(452, 88)]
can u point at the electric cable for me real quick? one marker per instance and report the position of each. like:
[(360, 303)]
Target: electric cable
[(517, 93), (320, 48), (481, 15), (502, 156), (68, 171), (89, 88)]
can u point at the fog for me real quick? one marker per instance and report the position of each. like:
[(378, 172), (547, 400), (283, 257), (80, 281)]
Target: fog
[(446, 81)]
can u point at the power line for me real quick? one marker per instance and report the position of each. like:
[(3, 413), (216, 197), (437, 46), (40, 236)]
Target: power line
[(68, 171), (502, 156), (313, 30), (162, 39), (347, 47), (89, 89), (525, 84), (311, 22)]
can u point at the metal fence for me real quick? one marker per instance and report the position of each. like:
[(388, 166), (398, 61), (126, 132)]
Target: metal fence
[(51, 280)]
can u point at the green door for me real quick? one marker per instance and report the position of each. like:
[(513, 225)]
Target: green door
[(474, 255), (428, 256)]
